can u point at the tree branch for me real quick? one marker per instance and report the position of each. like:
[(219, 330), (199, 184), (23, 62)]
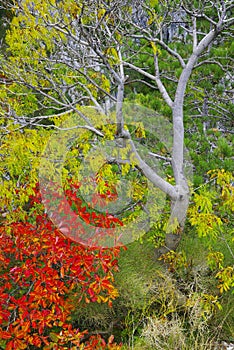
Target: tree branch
[(160, 85)]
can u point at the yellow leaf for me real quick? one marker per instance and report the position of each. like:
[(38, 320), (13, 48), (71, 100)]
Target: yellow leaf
[(156, 50)]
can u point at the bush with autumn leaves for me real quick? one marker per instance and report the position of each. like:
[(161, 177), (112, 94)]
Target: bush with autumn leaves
[(44, 277)]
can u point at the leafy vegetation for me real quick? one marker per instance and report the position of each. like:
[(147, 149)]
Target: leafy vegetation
[(95, 251)]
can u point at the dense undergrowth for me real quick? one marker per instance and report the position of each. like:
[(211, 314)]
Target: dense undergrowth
[(161, 309)]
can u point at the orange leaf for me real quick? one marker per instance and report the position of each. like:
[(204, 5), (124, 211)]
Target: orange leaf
[(62, 272)]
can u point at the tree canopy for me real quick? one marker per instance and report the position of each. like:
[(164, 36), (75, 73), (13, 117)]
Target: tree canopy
[(61, 56)]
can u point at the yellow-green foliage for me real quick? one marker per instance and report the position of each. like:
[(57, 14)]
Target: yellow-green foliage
[(210, 203), (35, 43), (20, 159), (212, 216), (226, 278), (202, 215), (66, 152)]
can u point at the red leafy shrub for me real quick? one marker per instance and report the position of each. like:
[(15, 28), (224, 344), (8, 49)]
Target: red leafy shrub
[(43, 277)]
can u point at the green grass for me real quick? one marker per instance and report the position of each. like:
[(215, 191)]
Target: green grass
[(147, 290), (197, 249)]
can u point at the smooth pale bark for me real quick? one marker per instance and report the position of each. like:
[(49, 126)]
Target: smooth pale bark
[(179, 193), (119, 111), (180, 205)]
